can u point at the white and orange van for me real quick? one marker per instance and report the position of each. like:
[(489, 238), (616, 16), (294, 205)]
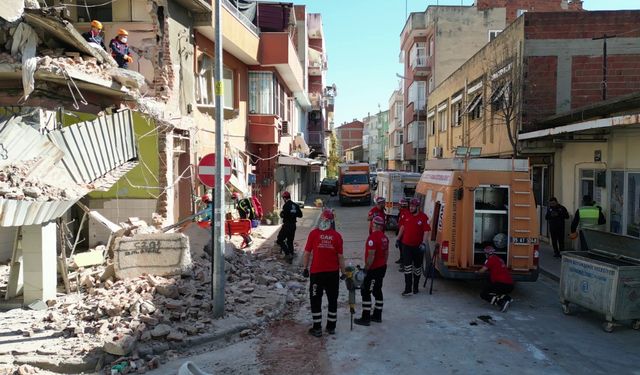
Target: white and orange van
[(475, 202)]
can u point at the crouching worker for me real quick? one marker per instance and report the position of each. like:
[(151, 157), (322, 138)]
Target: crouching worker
[(322, 261), (500, 280), (375, 267)]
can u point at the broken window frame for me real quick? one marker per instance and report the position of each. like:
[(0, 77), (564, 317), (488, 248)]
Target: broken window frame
[(205, 96)]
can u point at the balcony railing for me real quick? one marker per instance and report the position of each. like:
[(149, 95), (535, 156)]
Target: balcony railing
[(236, 12)]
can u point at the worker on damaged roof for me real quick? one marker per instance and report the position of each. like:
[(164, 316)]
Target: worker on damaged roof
[(94, 36), (120, 49)]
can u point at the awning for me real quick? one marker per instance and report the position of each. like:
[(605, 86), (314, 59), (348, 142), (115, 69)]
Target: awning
[(296, 161), (611, 122), (301, 145), (239, 184)]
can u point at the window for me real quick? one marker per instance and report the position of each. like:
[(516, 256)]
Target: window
[(399, 138), (493, 34), (456, 112), (95, 10), (442, 119), (205, 95), (431, 122), (418, 55), (431, 85), (476, 111), (398, 110), (267, 96), (417, 94), (431, 47), (411, 132)]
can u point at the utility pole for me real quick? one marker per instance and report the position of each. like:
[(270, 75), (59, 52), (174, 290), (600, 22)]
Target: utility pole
[(217, 227), (604, 63)]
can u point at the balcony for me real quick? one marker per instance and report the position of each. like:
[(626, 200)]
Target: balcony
[(314, 26), (317, 62), (421, 65), (416, 25), (316, 142), (277, 50), (239, 35), (264, 129)]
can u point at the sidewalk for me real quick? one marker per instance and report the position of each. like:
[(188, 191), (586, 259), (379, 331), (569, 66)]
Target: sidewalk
[(549, 266)]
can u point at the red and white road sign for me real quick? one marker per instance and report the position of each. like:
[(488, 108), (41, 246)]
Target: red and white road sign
[(207, 170)]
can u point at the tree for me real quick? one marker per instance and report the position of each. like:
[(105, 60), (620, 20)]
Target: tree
[(334, 159), (506, 82)]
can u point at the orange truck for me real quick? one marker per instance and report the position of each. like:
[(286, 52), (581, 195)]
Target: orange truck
[(472, 203), (354, 184)]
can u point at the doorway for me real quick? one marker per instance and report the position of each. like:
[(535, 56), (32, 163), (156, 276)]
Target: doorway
[(541, 189)]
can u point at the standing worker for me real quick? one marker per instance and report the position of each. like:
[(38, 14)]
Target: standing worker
[(402, 214), (323, 252), (376, 254), (556, 216), (413, 236), (377, 210), (245, 210), (500, 280), (94, 36), (120, 49), (587, 216), (290, 211)]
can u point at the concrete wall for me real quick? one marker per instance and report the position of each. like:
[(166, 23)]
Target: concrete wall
[(460, 32), (7, 237)]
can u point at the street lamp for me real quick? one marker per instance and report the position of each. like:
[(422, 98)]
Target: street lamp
[(416, 141)]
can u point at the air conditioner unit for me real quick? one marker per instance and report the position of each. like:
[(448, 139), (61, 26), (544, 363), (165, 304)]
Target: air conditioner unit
[(436, 152)]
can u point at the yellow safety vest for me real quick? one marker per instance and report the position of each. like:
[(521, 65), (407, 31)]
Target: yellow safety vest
[(589, 216)]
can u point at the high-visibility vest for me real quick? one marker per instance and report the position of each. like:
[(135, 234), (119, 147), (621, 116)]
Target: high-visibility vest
[(589, 216)]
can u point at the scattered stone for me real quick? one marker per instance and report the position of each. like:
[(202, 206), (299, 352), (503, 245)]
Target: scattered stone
[(169, 291), (175, 336), (245, 333), (120, 347), (160, 330)]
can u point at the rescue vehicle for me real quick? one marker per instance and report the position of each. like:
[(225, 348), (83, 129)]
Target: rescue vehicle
[(354, 184), (472, 203), (393, 186)]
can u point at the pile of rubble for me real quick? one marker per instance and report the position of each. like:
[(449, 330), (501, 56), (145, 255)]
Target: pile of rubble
[(133, 321), (16, 184), (74, 61)]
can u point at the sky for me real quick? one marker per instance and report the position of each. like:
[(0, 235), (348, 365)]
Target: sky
[(362, 40)]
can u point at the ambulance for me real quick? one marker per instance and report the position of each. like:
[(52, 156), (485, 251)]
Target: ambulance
[(472, 203), (393, 186)]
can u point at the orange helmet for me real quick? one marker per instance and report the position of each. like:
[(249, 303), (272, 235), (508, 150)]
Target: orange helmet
[(97, 24), (123, 32)]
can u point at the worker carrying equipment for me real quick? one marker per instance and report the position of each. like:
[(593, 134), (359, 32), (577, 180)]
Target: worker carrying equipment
[(120, 49)]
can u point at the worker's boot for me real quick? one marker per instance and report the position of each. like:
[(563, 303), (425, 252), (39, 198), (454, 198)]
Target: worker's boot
[(408, 279), (377, 316), (331, 328), (416, 282), (365, 320)]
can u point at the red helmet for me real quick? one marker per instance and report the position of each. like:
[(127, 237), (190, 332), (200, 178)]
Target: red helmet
[(234, 195), (378, 220), (286, 195), (205, 198), (327, 214), (404, 202), (488, 250), (380, 200), (414, 202)]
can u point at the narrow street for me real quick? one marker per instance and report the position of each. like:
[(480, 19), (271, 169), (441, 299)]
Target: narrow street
[(451, 331)]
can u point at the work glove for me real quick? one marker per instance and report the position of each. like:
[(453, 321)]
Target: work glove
[(397, 244), (423, 248), (128, 58), (305, 272)]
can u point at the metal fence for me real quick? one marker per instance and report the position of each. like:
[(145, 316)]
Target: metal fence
[(236, 12)]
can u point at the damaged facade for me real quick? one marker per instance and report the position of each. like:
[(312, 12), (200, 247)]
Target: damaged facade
[(273, 99)]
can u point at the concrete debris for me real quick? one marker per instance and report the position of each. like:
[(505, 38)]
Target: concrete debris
[(12, 10), (142, 317), (127, 78), (15, 183)]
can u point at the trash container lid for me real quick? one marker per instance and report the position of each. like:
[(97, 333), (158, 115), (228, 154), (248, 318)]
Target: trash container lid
[(614, 245)]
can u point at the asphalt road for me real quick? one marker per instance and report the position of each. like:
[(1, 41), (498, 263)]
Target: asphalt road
[(452, 331)]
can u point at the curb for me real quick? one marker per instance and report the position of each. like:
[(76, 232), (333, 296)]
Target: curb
[(550, 275)]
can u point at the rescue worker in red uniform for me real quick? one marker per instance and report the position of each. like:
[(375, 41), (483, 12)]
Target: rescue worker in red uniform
[(376, 254), (500, 280), (412, 238), (402, 214), (323, 252), (377, 210)]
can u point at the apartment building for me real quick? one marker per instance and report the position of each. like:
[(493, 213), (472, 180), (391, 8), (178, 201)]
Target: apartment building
[(395, 146), (349, 135), (535, 92), (434, 43)]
